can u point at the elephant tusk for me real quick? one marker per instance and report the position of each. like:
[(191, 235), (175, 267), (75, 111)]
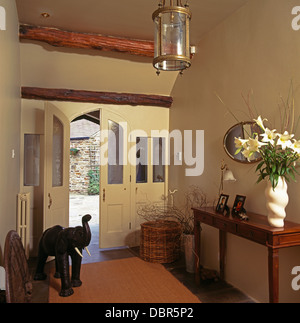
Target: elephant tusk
[(87, 250), (77, 250)]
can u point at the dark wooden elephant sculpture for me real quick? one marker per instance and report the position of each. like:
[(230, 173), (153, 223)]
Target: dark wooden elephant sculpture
[(61, 243)]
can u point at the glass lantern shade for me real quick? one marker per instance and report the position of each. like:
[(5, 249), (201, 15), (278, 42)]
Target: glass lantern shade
[(172, 43)]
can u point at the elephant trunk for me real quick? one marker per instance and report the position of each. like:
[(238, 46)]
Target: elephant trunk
[(86, 229)]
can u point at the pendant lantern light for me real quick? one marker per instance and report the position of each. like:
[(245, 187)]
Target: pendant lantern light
[(172, 40)]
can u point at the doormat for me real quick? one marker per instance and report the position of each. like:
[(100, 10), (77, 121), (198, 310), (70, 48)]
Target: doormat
[(130, 280)]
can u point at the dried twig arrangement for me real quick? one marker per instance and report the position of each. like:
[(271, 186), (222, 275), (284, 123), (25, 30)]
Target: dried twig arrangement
[(194, 197)]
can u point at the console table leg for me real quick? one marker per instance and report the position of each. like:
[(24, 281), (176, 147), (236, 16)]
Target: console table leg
[(197, 233), (222, 250), (273, 275)]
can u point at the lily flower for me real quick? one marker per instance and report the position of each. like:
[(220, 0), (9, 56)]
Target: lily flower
[(285, 140), (254, 144), (247, 153), (260, 122), (269, 136), (240, 143), (296, 146)]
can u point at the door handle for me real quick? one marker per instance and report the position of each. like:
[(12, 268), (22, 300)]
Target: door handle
[(103, 195), (50, 201)]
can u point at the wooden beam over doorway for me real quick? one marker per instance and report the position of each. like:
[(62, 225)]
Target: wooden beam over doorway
[(61, 38), (96, 97)]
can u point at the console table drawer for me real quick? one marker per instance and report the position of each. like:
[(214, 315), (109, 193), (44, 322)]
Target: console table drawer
[(289, 239), (254, 235), (225, 226), (206, 219)]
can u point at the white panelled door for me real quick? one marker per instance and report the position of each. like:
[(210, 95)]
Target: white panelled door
[(57, 159), (115, 216)]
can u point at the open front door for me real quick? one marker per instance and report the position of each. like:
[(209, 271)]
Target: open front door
[(115, 219), (57, 159)]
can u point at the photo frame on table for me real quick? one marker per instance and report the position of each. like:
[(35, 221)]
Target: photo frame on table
[(238, 206), (222, 203)]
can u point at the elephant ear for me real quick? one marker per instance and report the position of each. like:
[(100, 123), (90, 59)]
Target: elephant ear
[(62, 242)]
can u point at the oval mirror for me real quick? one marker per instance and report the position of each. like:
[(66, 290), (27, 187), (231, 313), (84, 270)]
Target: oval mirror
[(242, 130)]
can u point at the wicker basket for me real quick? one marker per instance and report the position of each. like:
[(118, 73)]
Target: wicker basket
[(160, 241)]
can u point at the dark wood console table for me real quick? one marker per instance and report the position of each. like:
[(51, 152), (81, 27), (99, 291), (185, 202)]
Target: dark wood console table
[(255, 229)]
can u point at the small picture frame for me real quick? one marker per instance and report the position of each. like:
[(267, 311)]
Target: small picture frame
[(222, 203), (238, 206)]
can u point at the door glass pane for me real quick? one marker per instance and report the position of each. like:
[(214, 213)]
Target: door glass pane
[(31, 160), (158, 160), (57, 152), (141, 159), (115, 153)]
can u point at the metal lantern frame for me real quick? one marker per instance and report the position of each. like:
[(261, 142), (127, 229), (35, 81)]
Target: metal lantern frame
[(161, 60)]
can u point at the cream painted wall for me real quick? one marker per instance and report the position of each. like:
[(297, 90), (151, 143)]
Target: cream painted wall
[(256, 48), (10, 111), (50, 67)]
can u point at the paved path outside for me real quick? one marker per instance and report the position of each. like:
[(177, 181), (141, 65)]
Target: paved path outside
[(81, 205)]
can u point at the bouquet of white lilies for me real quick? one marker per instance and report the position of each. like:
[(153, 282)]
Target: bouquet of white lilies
[(279, 153)]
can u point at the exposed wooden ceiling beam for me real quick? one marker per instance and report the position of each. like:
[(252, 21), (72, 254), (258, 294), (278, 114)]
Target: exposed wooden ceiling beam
[(62, 38), (96, 97)]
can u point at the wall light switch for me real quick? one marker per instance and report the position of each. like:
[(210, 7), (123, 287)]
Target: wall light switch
[(179, 156), (13, 153)]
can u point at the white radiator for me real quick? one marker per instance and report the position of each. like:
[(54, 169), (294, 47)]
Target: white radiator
[(23, 220)]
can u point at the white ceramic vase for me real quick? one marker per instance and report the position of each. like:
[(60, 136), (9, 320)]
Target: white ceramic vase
[(277, 201)]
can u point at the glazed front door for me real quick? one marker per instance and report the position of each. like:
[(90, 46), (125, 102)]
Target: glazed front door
[(115, 218), (57, 159), (150, 176)]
